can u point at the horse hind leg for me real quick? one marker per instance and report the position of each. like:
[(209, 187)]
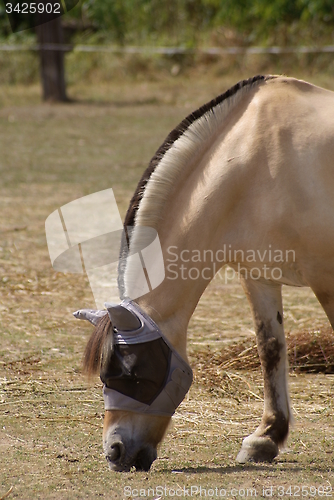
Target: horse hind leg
[(326, 299), (266, 304)]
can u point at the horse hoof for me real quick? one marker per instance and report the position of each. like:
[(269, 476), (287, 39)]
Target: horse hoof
[(257, 449)]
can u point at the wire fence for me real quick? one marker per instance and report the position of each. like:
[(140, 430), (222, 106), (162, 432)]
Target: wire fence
[(168, 50)]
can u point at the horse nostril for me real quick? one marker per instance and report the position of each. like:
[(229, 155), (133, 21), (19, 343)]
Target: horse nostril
[(115, 452)]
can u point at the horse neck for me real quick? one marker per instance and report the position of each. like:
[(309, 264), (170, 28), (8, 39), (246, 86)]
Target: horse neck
[(189, 223)]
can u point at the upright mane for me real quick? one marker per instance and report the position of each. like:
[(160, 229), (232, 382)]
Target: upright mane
[(177, 132), (188, 138)]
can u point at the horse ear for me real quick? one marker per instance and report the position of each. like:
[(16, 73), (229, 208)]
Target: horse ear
[(90, 315), (122, 318)]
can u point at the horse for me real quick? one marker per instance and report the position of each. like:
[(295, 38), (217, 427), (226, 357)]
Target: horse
[(245, 180)]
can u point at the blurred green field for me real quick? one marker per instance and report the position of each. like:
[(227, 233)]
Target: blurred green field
[(51, 416)]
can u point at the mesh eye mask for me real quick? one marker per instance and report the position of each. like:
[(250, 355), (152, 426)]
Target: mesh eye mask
[(143, 373)]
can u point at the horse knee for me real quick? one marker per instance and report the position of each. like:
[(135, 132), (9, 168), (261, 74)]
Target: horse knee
[(270, 349)]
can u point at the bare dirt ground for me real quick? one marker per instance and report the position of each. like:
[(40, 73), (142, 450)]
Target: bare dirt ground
[(50, 416)]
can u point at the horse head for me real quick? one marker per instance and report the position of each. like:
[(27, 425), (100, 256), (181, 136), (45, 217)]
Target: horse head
[(144, 381)]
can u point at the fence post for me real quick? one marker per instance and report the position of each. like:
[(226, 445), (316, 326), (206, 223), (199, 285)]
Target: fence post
[(52, 61)]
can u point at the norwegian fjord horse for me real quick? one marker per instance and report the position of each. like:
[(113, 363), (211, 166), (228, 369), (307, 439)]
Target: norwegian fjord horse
[(251, 170)]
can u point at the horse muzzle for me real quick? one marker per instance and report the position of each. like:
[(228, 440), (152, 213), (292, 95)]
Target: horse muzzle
[(121, 456)]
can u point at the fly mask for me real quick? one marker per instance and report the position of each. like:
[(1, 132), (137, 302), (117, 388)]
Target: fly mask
[(140, 369)]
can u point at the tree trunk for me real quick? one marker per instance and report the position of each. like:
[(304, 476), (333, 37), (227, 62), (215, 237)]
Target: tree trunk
[(52, 61)]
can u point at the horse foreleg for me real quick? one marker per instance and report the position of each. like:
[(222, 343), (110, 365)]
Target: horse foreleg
[(266, 303)]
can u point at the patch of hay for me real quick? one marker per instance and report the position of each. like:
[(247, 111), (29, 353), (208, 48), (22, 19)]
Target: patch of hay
[(311, 352)]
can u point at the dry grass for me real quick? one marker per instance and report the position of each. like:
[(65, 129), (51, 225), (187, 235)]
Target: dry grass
[(311, 352), (51, 417)]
